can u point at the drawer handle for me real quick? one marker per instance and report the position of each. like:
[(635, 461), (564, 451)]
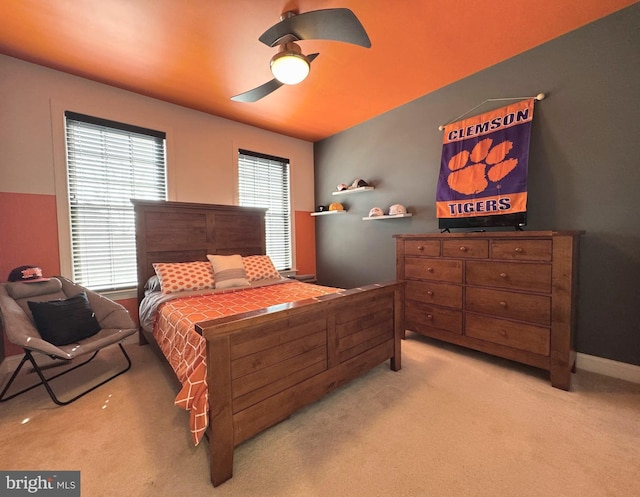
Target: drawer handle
[(430, 317), (420, 248), (503, 275), (463, 248), (503, 303), (430, 269), (430, 293), (518, 249)]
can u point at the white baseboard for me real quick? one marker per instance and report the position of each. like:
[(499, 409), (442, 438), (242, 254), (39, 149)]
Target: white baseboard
[(607, 367)]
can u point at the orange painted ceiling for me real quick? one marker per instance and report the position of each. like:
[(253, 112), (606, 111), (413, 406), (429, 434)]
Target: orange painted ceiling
[(199, 53)]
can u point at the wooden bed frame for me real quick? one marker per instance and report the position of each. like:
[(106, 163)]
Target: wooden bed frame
[(265, 365)]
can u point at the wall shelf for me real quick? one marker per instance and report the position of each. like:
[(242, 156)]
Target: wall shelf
[(326, 213), (380, 218), (354, 190)]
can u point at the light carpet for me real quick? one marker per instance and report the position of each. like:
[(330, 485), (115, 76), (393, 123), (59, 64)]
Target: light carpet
[(451, 423)]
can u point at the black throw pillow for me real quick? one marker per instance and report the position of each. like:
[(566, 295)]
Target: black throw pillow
[(65, 321)]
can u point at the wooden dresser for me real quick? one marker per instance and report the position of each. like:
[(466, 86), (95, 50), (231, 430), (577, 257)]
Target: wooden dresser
[(510, 294)]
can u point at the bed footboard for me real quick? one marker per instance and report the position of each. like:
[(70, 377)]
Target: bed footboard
[(264, 365)]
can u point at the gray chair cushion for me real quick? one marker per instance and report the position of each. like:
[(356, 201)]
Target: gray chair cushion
[(37, 292), (19, 290)]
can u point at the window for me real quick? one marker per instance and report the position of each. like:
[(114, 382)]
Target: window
[(263, 181), (108, 164)]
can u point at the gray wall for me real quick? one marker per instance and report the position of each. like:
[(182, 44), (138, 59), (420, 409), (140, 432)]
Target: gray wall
[(584, 172)]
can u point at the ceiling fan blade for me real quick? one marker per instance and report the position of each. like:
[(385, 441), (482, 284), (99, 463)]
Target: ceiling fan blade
[(327, 24), (259, 92), (265, 89)]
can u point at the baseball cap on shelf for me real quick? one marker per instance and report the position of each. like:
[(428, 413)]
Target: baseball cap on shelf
[(397, 209), (342, 187), (336, 206), (26, 274), (376, 211), (322, 208), (357, 183)]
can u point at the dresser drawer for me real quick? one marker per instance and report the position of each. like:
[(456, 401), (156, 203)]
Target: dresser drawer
[(531, 338), (422, 247), (514, 275), (524, 307), (511, 294), (434, 293), (419, 268), (430, 316), (465, 248), (523, 250)]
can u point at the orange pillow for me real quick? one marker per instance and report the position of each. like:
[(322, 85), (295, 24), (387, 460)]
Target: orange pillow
[(260, 267), (183, 276)]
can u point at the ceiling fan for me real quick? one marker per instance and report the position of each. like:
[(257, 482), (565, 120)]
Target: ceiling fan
[(290, 65)]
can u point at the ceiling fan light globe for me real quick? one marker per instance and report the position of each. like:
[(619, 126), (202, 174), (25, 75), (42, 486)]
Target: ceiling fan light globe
[(289, 68)]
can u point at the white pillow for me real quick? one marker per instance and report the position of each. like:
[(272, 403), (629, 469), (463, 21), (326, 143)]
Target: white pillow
[(228, 270)]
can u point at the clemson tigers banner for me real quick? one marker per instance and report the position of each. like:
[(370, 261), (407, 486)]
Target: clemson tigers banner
[(483, 169)]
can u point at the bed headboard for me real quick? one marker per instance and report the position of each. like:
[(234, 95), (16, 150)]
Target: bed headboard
[(185, 232)]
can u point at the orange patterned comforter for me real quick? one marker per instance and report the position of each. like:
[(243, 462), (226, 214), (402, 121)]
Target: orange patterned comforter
[(185, 349)]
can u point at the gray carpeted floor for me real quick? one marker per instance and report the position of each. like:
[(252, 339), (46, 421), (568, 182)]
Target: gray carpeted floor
[(451, 423)]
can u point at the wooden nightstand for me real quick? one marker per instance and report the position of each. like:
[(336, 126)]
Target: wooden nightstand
[(306, 278)]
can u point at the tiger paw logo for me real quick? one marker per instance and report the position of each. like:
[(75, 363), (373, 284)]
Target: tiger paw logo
[(472, 171)]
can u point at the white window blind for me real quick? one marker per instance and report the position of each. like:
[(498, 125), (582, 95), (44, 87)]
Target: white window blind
[(263, 181), (108, 164)]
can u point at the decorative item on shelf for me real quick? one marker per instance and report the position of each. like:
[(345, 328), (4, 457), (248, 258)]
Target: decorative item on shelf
[(358, 183), (329, 211), (333, 208), (397, 209)]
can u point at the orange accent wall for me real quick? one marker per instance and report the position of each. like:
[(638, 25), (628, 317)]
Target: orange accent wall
[(305, 242), (29, 235)]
